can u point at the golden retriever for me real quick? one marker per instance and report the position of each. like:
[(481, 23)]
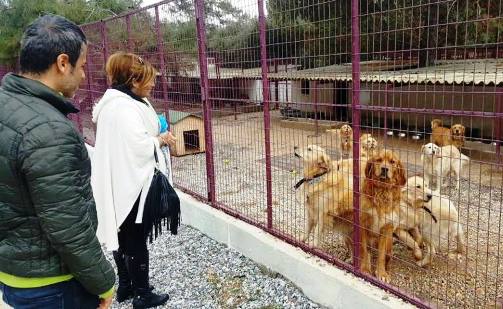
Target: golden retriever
[(442, 136), (328, 186), (381, 196), (346, 139), (343, 139), (458, 135), (438, 162), (414, 195), (436, 216), (368, 145), (325, 188)]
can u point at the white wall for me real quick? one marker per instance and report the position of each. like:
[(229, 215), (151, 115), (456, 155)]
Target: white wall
[(254, 90), (284, 91)]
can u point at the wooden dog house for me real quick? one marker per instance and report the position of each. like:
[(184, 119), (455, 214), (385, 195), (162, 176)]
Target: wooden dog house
[(189, 132)]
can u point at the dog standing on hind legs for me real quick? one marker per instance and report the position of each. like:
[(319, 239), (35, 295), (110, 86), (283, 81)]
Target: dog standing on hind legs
[(317, 171), (327, 191), (438, 162)]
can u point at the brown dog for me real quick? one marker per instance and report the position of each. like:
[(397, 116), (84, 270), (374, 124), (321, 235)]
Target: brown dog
[(442, 136), (458, 135), (381, 196)]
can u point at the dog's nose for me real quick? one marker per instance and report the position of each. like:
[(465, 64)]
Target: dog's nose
[(429, 196), (384, 169), (295, 147)]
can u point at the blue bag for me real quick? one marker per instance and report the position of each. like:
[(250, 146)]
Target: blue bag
[(163, 123)]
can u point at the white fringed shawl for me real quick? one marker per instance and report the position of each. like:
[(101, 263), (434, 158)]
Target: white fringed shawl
[(122, 160)]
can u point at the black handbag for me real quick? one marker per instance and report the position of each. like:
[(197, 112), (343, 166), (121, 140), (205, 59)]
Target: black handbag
[(161, 204)]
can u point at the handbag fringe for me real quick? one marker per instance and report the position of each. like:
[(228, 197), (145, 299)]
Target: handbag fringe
[(162, 204)]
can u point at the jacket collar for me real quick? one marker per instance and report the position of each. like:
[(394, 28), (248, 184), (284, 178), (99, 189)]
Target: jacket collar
[(22, 85)]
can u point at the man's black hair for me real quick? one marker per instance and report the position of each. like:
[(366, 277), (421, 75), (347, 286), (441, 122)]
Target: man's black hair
[(45, 39)]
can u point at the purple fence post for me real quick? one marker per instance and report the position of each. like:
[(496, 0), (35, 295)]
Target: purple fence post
[(267, 114), (128, 31), (499, 95), (203, 68), (89, 78), (162, 64), (315, 99), (386, 102), (355, 106), (104, 41), (276, 85)]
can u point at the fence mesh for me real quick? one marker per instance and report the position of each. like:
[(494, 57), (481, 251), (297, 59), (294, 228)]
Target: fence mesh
[(311, 118)]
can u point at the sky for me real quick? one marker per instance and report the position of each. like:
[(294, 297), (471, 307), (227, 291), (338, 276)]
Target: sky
[(248, 6)]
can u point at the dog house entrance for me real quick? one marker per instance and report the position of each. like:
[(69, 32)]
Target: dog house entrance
[(191, 140)]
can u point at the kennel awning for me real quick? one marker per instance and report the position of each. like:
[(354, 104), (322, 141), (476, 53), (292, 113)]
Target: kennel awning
[(478, 72)]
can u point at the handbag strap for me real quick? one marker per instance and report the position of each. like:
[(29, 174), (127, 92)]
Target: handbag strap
[(156, 158), (155, 155)]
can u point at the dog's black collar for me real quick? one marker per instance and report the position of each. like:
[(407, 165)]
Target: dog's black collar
[(431, 214), (300, 182)]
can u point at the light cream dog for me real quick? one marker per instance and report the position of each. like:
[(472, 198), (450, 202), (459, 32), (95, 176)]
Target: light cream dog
[(438, 162), (343, 139), (437, 220), (368, 145)]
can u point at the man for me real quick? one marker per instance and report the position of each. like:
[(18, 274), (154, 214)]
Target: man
[(49, 254)]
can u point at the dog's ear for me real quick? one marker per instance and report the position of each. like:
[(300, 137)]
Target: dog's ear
[(324, 161), (401, 174), (463, 130), (422, 148)]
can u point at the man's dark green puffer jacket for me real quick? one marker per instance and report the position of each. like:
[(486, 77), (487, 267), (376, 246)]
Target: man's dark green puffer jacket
[(47, 212)]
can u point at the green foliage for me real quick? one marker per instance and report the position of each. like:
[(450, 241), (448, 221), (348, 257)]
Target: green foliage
[(318, 32), (217, 12), (17, 14)]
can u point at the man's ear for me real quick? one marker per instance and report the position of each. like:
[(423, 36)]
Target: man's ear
[(63, 63)]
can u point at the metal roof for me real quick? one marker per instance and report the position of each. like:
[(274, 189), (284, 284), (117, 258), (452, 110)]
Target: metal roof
[(478, 72)]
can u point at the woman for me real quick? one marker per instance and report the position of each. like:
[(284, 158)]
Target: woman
[(123, 165)]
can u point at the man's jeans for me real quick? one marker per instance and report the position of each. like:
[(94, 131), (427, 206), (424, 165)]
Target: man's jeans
[(68, 294)]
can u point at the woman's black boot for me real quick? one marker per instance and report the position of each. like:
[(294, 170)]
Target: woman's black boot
[(138, 270)]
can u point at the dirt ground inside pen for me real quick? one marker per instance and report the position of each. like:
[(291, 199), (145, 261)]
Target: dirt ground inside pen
[(470, 281)]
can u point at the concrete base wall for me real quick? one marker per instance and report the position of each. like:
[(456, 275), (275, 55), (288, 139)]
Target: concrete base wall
[(320, 281)]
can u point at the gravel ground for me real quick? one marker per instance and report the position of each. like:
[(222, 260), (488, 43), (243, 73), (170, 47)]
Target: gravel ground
[(198, 272), (472, 281)]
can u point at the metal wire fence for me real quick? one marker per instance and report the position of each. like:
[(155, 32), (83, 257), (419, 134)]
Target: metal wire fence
[(259, 93)]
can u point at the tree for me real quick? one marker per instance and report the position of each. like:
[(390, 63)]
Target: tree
[(318, 32), (17, 14), (227, 29)]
